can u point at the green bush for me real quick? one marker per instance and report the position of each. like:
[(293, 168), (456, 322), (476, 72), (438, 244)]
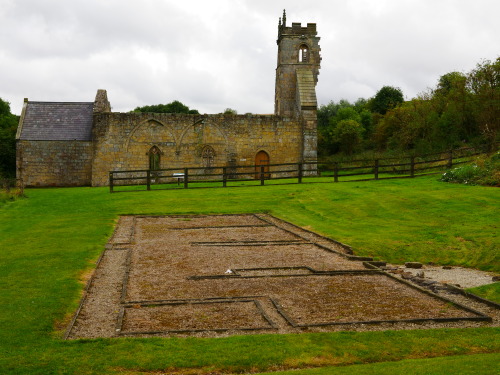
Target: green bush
[(484, 171)]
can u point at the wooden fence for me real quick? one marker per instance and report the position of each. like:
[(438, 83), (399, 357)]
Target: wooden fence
[(317, 172)]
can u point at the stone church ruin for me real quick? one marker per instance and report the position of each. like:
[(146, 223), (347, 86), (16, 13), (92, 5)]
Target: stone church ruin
[(78, 143)]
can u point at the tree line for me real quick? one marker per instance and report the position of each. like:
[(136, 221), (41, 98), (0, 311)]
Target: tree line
[(463, 109)]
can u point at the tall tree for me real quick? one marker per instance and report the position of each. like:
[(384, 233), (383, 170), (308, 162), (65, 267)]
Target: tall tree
[(8, 127), (386, 98), (451, 101), (347, 135), (326, 112), (484, 83)]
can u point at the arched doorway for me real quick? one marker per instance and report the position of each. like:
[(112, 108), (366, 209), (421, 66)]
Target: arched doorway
[(262, 159)]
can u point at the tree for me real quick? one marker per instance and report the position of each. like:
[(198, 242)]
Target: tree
[(230, 111), (484, 83), (173, 107), (347, 134), (8, 127), (345, 113), (326, 122), (326, 112), (386, 98), (406, 127), (450, 81), (331, 114)]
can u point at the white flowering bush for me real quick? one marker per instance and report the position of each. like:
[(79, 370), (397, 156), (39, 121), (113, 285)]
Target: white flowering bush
[(484, 171)]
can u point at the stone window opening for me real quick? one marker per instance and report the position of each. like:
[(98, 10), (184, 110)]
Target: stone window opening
[(154, 158), (208, 156), (303, 53)]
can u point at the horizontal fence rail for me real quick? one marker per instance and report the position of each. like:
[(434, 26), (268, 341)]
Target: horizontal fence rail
[(310, 172)]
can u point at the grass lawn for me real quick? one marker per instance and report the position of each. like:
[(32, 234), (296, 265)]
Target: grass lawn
[(50, 240), (490, 291), (463, 365)]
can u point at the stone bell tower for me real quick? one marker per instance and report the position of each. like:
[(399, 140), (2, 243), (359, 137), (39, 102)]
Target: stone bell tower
[(296, 77)]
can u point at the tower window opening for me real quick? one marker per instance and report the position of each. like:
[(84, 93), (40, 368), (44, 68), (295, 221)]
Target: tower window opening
[(303, 53)]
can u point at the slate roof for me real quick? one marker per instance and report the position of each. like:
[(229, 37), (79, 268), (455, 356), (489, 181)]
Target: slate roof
[(57, 121), (306, 87)]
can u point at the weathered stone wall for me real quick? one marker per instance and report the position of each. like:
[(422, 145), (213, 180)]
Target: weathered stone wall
[(54, 163), (123, 140)]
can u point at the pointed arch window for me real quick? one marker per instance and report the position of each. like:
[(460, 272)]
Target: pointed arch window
[(208, 156), (303, 53), (154, 158)]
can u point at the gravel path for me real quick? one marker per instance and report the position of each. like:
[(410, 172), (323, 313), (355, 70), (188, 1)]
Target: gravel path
[(458, 276)]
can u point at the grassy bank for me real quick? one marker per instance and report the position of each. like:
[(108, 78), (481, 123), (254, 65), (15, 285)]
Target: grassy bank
[(53, 237), (463, 365), (490, 291)]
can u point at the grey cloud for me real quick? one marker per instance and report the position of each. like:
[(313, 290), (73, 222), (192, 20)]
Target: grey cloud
[(222, 53)]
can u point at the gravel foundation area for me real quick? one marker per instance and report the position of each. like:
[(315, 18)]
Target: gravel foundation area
[(212, 276), (194, 316)]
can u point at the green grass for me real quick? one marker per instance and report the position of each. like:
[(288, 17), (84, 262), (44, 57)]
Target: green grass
[(50, 239), (490, 291), (9, 196), (463, 365)]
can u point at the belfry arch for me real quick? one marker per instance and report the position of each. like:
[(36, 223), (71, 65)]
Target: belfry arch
[(303, 53)]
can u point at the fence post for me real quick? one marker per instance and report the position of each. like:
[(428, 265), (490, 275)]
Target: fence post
[(110, 182), (224, 176), (186, 176), (262, 175), (375, 169), (336, 172), (412, 166), (148, 179), (450, 159), (300, 173)]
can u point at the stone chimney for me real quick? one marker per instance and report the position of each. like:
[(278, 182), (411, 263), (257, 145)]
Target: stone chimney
[(101, 103)]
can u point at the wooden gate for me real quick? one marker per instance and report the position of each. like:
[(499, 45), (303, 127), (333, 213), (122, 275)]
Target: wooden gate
[(262, 159)]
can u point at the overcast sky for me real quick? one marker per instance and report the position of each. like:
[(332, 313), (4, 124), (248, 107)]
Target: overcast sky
[(215, 54)]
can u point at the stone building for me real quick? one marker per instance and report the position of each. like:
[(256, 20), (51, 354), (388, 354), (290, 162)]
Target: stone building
[(77, 144)]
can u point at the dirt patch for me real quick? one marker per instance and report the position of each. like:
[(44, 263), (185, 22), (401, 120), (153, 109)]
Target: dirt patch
[(242, 274)]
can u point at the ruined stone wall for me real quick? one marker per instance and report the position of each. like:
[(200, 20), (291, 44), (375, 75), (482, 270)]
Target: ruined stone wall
[(123, 140), (54, 163)]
